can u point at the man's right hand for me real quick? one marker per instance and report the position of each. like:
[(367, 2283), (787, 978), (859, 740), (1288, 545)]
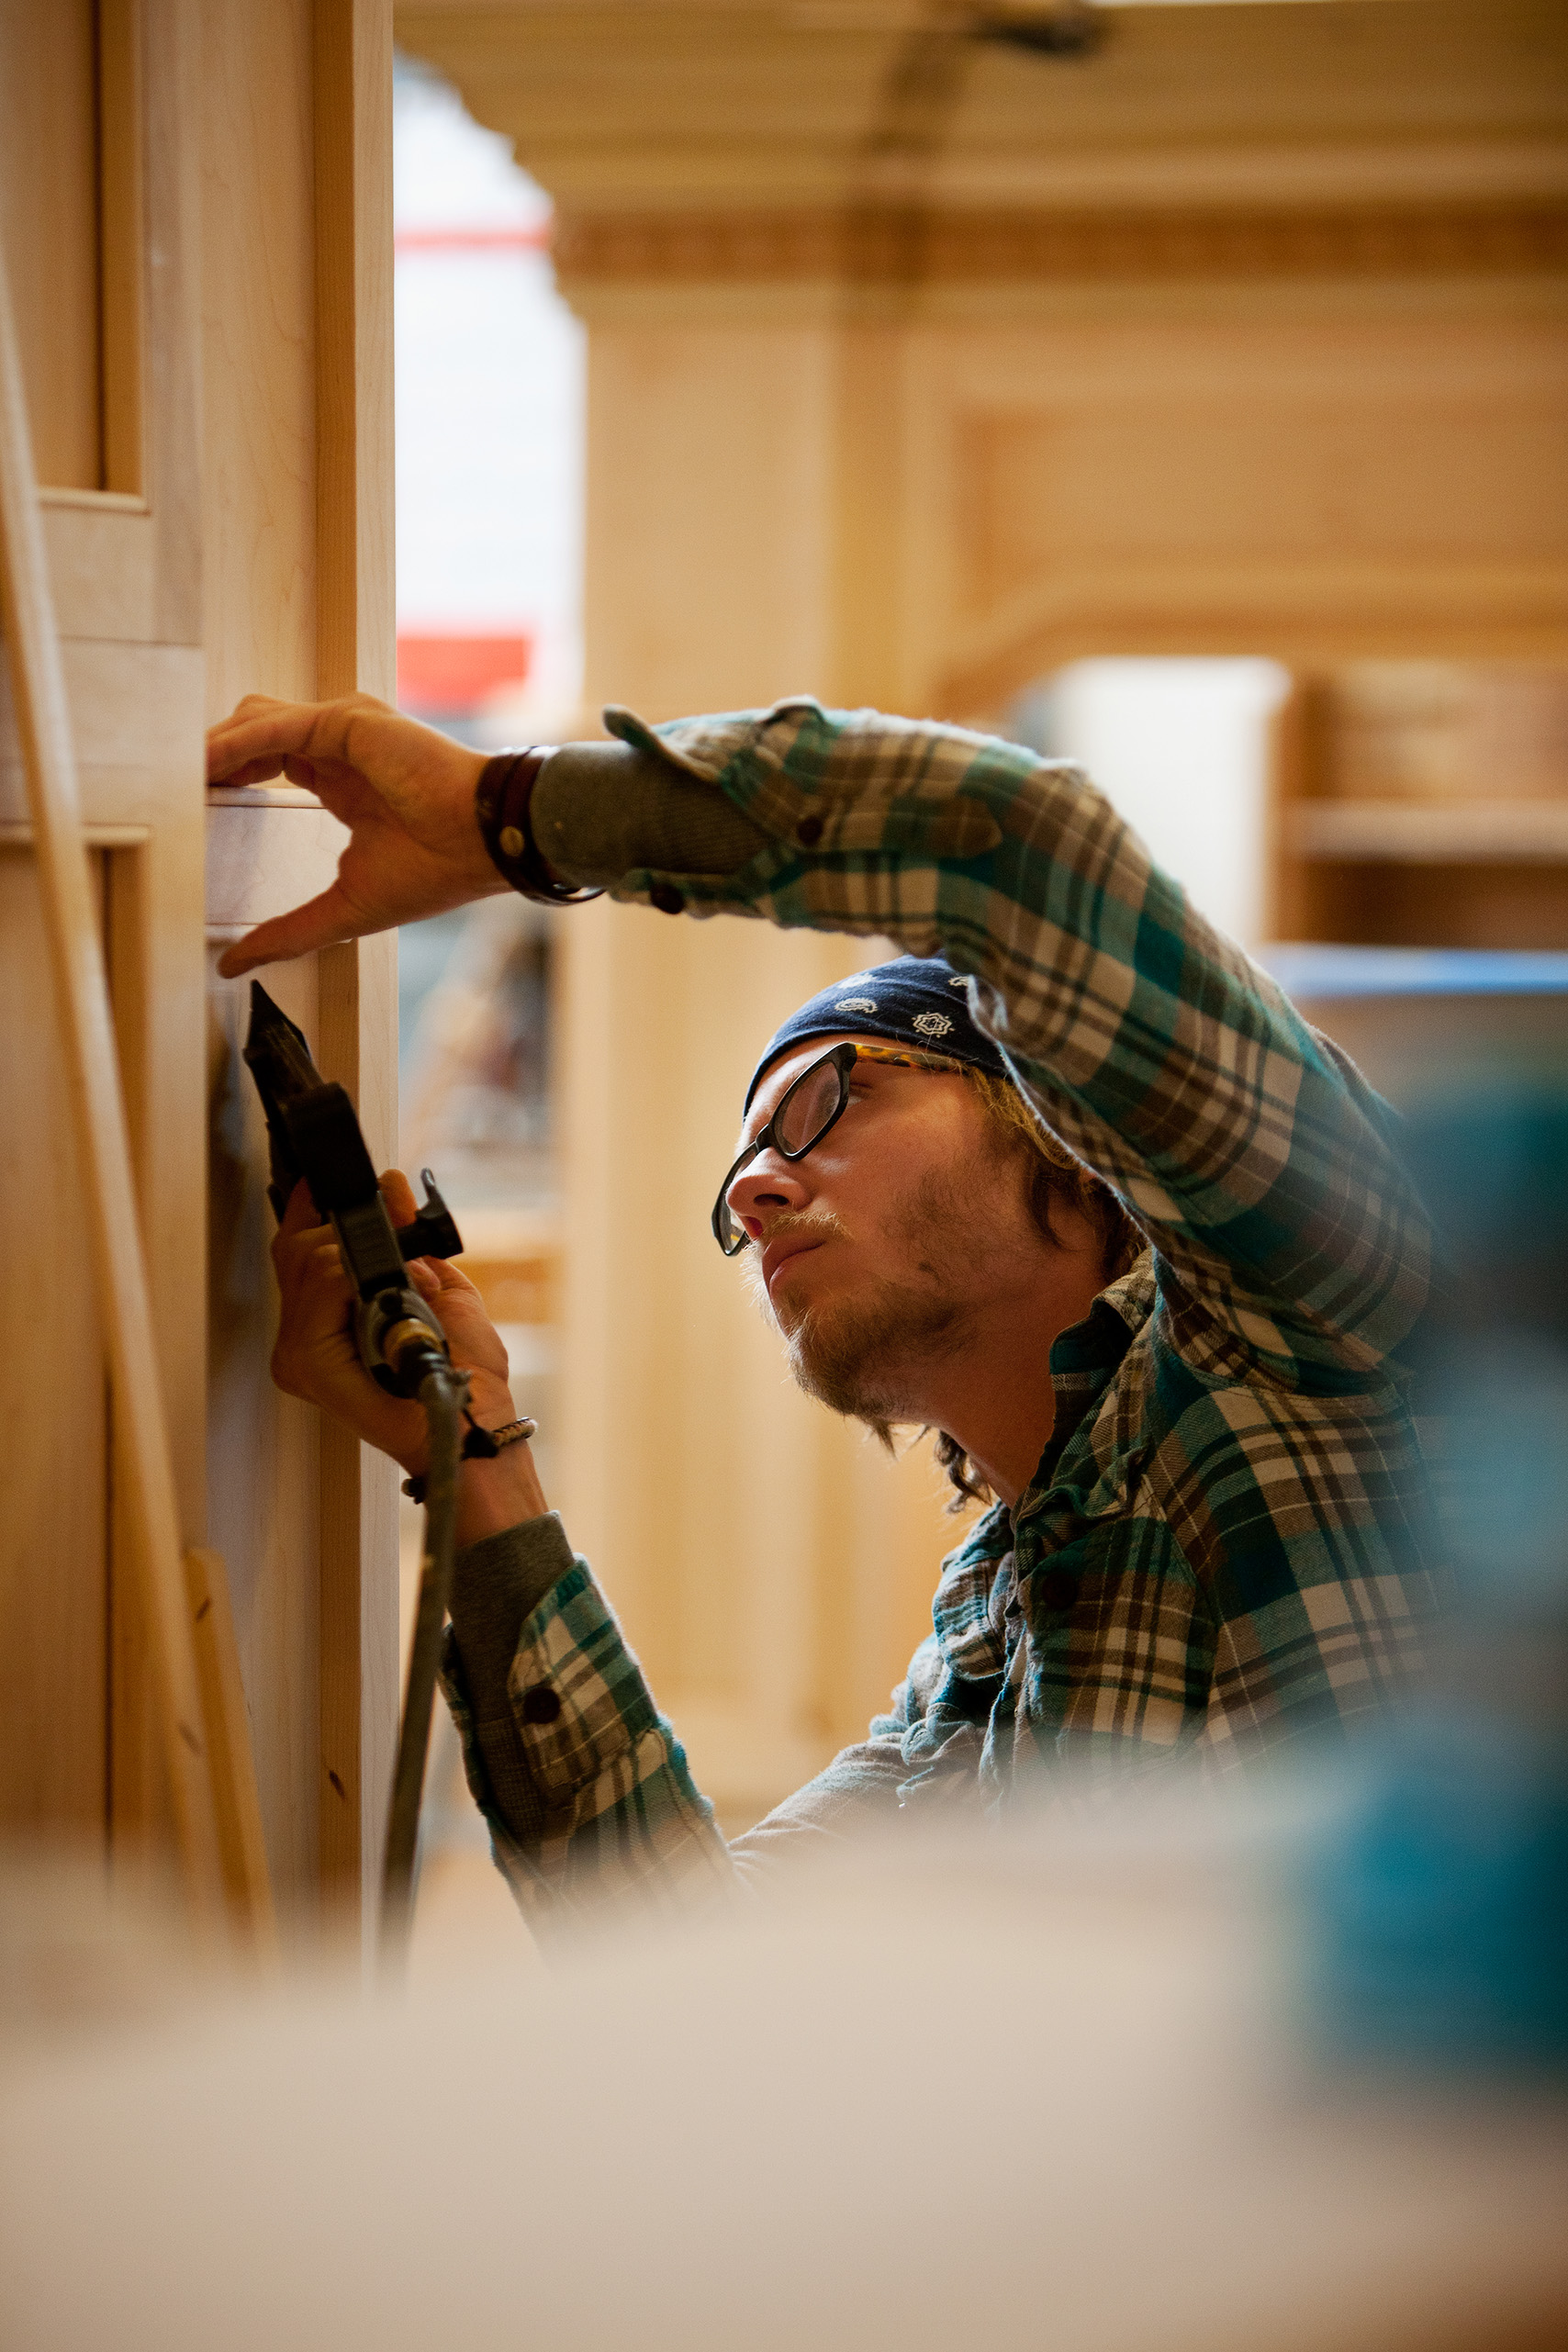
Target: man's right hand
[(316, 1358), (406, 794)]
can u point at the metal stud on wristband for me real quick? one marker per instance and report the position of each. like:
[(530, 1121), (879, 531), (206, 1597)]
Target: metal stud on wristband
[(481, 1445), (502, 804)]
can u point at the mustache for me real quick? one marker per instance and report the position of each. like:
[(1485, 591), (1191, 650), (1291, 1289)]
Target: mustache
[(820, 1224), (814, 1225)]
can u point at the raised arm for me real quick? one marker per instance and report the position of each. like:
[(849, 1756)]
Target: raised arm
[(1253, 1155), (1255, 1158)]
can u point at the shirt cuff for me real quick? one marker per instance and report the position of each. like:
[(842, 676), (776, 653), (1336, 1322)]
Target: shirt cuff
[(496, 1585)]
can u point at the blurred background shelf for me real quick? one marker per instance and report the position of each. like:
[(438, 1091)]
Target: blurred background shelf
[(1422, 804), (1499, 831)]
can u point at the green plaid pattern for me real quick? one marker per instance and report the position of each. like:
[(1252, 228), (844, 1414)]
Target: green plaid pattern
[(1230, 1543)]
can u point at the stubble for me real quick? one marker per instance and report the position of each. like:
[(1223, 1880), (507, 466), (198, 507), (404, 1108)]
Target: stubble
[(855, 1354)]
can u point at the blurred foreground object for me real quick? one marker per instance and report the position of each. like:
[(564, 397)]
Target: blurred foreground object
[(1035, 2089), (1440, 1898)]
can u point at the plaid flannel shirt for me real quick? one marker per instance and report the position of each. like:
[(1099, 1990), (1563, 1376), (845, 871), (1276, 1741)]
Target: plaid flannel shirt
[(1229, 1544)]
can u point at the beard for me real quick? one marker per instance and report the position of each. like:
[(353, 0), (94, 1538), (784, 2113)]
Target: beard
[(856, 1355), (850, 1354)]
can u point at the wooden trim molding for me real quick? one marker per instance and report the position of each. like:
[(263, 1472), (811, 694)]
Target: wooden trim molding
[(889, 245), (355, 652)]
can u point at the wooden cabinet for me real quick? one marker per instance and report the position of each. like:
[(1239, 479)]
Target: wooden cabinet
[(1423, 804), (195, 207)]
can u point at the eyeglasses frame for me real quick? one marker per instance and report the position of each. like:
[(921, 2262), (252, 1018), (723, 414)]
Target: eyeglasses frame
[(844, 1056)]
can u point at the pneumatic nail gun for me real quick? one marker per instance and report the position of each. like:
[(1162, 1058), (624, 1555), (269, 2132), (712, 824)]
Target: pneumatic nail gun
[(312, 1131)]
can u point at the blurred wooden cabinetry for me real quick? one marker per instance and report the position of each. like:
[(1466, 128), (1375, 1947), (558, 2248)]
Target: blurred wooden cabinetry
[(196, 206), (1423, 804)]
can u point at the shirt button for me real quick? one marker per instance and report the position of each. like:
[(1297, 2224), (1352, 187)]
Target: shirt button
[(666, 898), (809, 832), (541, 1704), (1058, 1589)]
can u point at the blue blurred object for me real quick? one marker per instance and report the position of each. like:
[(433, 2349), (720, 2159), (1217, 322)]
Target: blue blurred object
[(1437, 1891), (1438, 1902), (1331, 972)]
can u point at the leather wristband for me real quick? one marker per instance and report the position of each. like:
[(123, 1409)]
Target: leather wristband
[(502, 804)]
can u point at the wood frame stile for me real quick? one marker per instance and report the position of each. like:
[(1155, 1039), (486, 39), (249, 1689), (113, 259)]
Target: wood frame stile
[(355, 652)]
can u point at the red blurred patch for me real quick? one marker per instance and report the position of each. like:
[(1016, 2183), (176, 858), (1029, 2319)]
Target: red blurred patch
[(456, 674)]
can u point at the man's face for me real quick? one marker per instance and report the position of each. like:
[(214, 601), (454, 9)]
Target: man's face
[(880, 1253)]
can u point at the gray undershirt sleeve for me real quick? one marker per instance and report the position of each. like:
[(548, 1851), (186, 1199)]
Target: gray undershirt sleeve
[(496, 1585), (603, 810)]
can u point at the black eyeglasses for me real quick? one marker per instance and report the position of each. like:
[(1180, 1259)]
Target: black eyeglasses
[(807, 1109)]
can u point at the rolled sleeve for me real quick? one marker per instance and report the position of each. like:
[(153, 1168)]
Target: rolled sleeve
[(586, 1788)]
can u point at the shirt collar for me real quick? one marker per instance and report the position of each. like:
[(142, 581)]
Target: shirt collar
[(1084, 1359)]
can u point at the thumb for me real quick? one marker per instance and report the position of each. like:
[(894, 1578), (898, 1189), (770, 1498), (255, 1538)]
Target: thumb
[(324, 921)]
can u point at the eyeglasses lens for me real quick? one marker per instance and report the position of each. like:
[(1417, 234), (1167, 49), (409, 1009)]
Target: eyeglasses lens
[(808, 1108)]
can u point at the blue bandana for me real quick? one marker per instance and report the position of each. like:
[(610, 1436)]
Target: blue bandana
[(915, 1001)]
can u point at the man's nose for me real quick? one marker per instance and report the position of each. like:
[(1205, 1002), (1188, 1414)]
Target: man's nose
[(765, 1185)]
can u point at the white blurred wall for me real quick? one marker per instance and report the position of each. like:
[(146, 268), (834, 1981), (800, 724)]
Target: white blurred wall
[(1181, 748)]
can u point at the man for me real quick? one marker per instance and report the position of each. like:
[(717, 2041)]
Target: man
[(1087, 1197)]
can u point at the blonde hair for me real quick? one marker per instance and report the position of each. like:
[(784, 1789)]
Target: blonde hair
[(1054, 1179)]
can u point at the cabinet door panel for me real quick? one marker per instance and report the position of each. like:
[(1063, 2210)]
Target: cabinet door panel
[(53, 1606)]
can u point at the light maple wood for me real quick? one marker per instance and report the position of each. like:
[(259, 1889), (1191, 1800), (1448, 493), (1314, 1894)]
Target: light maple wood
[(1421, 805), (919, 249), (355, 626), (185, 566), (122, 245), (136, 713), (93, 1081), (355, 651), (253, 115), (53, 1616), (237, 1803), (1492, 830), (124, 540), (678, 106), (296, 254), (48, 182)]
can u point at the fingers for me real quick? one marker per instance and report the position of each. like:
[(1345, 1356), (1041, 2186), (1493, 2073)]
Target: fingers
[(317, 1318), (323, 922), (398, 1196), (307, 1252), (253, 742), (453, 1279), (301, 1211), (260, 733), (303, 1236)]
